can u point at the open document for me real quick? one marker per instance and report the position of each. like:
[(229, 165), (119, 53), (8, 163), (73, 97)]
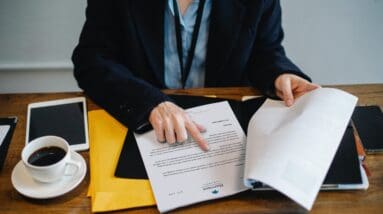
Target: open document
[(288, 148), (291, 149)]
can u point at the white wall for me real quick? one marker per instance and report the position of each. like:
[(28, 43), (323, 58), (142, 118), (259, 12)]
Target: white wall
[(334, 41), (36, 41)]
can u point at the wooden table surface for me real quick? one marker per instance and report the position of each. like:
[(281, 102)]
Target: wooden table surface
[(369, 201)]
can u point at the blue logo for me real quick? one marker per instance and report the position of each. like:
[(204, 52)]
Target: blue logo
[(215, 191)]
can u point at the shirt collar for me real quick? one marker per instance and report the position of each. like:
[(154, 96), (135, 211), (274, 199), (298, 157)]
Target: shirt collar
[(171, 8)]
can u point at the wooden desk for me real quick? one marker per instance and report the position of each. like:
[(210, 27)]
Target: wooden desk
[(370, 201)]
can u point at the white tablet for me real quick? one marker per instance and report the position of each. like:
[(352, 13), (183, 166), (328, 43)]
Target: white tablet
[(66, 118)]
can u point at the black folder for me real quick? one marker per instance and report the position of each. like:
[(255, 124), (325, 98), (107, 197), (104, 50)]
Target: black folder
[(345, 168), (11, 121)]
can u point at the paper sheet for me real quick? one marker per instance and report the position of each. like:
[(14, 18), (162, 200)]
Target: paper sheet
[(184, 174), (291, 148), (106, 191), (3, 132)]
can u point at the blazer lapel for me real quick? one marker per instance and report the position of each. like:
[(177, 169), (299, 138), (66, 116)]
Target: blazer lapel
[(149, 19), (225, 23)]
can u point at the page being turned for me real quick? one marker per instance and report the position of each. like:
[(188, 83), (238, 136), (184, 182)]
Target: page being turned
[(291, 148)]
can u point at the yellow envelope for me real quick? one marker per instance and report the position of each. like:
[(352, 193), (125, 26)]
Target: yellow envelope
[(108, 192)]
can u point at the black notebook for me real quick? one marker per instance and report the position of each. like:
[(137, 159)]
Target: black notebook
[(7, 127), (345, 168)]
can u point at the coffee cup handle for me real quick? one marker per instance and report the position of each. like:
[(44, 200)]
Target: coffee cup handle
[(74, 164)]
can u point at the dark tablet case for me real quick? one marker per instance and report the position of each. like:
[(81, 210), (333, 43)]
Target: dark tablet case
[(344, 169), (368, 121), (7, 140)]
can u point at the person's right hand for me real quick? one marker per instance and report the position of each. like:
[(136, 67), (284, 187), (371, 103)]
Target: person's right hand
[(171, 124)]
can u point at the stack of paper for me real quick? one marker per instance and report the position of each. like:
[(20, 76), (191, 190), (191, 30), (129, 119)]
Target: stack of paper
[(106, 191)]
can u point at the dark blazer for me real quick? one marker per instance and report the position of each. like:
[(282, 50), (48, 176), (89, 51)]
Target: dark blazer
[(119, 61)]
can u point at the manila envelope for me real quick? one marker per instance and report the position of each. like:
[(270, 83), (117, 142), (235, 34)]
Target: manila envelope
[(108, 192)]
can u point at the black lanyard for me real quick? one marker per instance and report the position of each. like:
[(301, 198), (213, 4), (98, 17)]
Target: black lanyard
[(185, 69)]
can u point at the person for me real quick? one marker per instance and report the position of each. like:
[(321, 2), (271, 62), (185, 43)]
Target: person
[(129, 50)]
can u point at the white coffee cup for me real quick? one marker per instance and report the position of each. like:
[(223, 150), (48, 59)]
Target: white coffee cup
[(53, 171)]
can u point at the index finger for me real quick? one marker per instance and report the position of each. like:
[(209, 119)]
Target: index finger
[(196, 135), (287, 92)]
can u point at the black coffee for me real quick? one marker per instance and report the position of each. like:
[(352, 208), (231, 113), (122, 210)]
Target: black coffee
[(46, 156)]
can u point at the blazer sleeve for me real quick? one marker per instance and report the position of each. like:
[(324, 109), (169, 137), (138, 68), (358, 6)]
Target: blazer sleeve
[(268, 59), (99, 70)]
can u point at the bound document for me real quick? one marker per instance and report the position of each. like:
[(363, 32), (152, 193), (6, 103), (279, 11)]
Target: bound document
[(289, 149)]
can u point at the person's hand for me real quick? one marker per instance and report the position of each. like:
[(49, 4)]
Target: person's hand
[(288, 87), (171, 124)]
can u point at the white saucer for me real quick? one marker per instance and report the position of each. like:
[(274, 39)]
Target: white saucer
[(27, 186)]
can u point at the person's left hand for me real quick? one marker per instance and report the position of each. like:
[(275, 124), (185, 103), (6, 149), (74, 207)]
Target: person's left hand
[(288, 87)]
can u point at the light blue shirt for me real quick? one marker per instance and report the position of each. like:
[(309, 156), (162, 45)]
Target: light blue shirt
[(196, 76)]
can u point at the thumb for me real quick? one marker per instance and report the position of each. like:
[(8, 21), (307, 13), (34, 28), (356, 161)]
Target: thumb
[(312, 86)]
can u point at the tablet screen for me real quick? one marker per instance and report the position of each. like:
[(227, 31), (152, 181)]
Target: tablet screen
[(64, 120)]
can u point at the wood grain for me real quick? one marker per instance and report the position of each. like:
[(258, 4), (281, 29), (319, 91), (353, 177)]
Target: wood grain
[(369, 201)]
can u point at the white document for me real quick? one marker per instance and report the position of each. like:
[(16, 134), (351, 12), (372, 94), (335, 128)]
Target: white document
[(291, 148), (288, 148), (3, 132), (184, 174)]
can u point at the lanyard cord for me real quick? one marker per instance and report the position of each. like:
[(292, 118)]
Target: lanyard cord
[(185, 69)]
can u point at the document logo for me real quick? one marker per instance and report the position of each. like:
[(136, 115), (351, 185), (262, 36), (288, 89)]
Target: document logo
[(212, 187)]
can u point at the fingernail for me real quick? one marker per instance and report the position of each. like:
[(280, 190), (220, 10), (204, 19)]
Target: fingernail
[(181, 142), (171, 143), (203, 130), (289, 102), (207, 147)]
